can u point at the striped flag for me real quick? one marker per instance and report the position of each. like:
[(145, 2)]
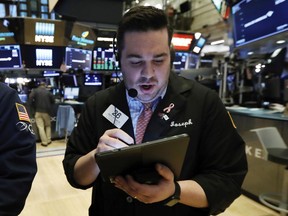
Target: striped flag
[(22, 112)]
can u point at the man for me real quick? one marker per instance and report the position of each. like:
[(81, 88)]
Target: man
[(17, 153), (215, 164), (42, 101)]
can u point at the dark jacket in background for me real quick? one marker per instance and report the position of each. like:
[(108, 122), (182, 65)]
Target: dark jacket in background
[(41, 100)]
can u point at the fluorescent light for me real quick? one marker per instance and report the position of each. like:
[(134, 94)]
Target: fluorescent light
[(280, 41), (217, 42)]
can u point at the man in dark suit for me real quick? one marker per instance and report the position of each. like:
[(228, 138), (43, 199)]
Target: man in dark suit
[(17, 152), (215, 163)]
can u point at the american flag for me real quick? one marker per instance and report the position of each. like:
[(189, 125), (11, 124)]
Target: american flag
[(22, 112)]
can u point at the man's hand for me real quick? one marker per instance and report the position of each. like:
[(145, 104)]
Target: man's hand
[(113, 139), (148, 193)]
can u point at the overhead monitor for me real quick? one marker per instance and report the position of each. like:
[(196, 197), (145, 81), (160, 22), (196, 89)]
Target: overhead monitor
[(11, 31), (257, 19), (78, 58), (103, 59), (10, 57), (199, 44), (44, 32), (182, 41), (42, 57), (80, 36)]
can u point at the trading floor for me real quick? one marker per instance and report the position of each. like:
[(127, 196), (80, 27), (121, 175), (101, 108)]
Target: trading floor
[(51, 195)]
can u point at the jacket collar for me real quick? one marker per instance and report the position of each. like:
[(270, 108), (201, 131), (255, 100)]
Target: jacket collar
[(162, 116)]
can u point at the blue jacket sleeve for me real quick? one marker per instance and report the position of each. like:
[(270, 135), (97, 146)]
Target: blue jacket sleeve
[(17, 153)]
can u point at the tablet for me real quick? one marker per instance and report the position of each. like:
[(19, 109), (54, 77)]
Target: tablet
[(139, 160)]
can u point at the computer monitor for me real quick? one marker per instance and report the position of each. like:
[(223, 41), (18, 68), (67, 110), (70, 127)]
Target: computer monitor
[(78, 58), (251, 24), (71, 93), (183, 61), (93, 79), (23, 97), (10, 57), (103, 59), (42, 57)]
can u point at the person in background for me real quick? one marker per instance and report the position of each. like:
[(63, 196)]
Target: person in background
[(215, 164), (42, 102), (17, 153)]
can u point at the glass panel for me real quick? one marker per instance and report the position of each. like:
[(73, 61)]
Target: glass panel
[(13, 10), (23, 6), (2, 10), (23, 14), (44, 9), (44, 16)]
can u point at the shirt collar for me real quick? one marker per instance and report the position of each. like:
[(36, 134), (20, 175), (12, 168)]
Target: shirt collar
[(130, 99)]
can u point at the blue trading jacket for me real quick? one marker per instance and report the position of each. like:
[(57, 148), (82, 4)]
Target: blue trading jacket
[(17, 153)]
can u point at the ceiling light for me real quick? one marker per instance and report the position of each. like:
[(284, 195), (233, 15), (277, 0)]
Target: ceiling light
[(217, 42), (280, 41)]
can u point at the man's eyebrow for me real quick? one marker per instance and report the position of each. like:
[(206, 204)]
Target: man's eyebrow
[(160, 55), (133, 56), (139, 56)]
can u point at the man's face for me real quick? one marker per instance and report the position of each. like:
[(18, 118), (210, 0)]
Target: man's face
[(145, 63)]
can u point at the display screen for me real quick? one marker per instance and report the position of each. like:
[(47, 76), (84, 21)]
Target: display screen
[(116, 77), (80, 36), (182, 41), (103, 59), (44, 32), (23, 97), (43, 57), (93, 80), (78, 58), (51, 73), (251, 24), (71, 93), (10, 57), (183, 61), (11, 31), (200, 43), (180, 61)]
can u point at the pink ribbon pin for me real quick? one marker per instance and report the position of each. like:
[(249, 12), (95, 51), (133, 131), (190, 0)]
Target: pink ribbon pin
[(169, 108)]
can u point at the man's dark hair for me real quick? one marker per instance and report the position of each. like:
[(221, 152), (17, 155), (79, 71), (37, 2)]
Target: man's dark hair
[(142, 19)]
